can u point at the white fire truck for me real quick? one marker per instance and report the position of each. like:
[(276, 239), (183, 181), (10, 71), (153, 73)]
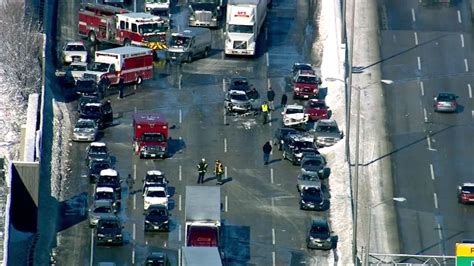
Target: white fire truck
[(103, 23)]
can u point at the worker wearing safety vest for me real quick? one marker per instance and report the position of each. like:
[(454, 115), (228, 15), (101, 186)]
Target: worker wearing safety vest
[(219, 171), (265, 112)]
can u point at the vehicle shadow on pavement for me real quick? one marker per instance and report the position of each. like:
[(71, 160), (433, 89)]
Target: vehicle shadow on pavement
[(224, 180), (175, 146), (236, 244), (275, 160)]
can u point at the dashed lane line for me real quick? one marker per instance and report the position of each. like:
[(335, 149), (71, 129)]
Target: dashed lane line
[(179, 202), (459, 16), (416, 38), (271, 175), (432, 172), (225, 145), (462, 39), (180, 172), (419, 62), (273, 236), (435, 200), (425, 115), (226, 204), (422, 88), (413, 17), (466, 65), (469, 90)]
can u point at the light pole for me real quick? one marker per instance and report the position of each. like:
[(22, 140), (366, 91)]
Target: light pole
[(397, 199), (355, 181)]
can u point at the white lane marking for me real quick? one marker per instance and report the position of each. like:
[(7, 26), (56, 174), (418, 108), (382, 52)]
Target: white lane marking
[(179, 202), (225, 172), (268, 83), (134, 172), (271, 143), (270, 118), (180, 172), (466, 66), (472, 113), (134, 201), (179, 256), (135, 109), (432, 172), (133, 256), (134, 231), (226, 203), (179, 233), (416, 38), (92, 248), (459, 16), (439, 232), (271, 175), (419, 62), (424, 114), (422, 88), (470, 90), (223, 85), (268, 60), (413, 15), (462, 40), (429, 143), (180, 116), (273, 236), (225, 144), (273, 258), (435, 200), (225, 116)]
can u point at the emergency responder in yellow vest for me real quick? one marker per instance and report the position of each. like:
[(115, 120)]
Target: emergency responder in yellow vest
[(219, 171), (265, 112)]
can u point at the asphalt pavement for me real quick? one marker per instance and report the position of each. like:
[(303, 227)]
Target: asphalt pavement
[(262, 221)]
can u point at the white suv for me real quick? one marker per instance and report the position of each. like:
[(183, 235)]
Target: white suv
[(155, 196)]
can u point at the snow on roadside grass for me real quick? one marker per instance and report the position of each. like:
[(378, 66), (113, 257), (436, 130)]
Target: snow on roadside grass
[(340, 213)]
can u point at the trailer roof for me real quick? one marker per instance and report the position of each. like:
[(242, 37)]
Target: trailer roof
[(203, 203), (124, 50), (201, 256), (101, 9), (142, 118)]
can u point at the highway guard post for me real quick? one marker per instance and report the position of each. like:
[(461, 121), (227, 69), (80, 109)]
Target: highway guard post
[(464, 254)]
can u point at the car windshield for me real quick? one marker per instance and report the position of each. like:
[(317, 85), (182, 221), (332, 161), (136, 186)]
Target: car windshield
[(157, 213), (152, 137), (84, 124), (100, 166), (239, 97), (240, 82), (103, 209), (77, 68), (302, 67), (108, 225), (309, 178), (240, 28), (154, 179), (327, 129), (468, 190), (104, 195), (312, 162), (446, 98), (304, 144), (107, 179), (306, 80), (151, 28), (91, 110), (320, 231), (156, 194), (290, 111), (180, 41), (314, 104), (98, 150), (99, 67), (153, 262), (75, 48)]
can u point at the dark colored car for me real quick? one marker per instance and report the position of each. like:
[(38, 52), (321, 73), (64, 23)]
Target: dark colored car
[(96, 166), (108, 194), (96, 150), (466, 193), (109, 232), (242, 84), (281, 136), (155, 178), (320, 236), (100, 209), (298, 146), (157, 259), (110, 178), (327, 132), (445, 102), (317, 109), (157, 218), (90, 87), (85, 99), (101, 112), (315, 165), (313, 198)]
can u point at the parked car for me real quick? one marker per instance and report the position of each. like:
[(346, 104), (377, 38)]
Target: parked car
[(446, 102), (466, 193), (294, 115), (281, 136), (97, 150), (101, 112), (100, 209), (110, 178), (74, 51), (239, 102), (154, 178), (320, 236), (315, 165), (242, 84), (109, 231), (85, 130), (74, 72), (313, 198), (155, 196), (327, 133), (157, 218), (305, 84), (90, 87), (96, 166), (305, 181), (316, 109), (157, 258), (298, 146), (85, 99), (108, 194)]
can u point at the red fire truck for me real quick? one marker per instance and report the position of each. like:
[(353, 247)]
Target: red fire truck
[(150, 136), (103, 23), (130, 63)]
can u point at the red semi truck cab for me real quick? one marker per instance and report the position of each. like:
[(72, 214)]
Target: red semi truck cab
[(150, 136)]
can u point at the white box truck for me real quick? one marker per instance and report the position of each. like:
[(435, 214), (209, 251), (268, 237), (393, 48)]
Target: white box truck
[(202, 215), (189, 44), (200, 256), (244, 22)]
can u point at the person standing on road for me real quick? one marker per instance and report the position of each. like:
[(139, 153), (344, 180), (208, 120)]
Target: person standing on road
[(284, 99), (267, 149), (202, 169), (265, 112), (219, 171), (121, 87), (271, 98)]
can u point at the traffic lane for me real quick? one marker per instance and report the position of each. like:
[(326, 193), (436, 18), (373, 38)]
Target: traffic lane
[(398, 15), (429, 18)]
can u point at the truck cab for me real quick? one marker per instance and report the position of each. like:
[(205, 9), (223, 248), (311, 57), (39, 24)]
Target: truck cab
[(305, 84), (205, 13), (150, 138)]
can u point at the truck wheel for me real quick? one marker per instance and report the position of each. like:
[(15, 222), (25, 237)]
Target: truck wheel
[(127, 42), (206, 52), (92, 38), (190, 58), (139, 80)]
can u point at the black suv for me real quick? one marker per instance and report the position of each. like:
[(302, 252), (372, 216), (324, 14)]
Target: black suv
[(157, 218), (95, 166), (90, 87), (242, 84), (315, 164), (298, 146), (320, 236), (281, 136), (100, 112), (110, 178), (85, 99), (313, 198), (157, 259), (109, 231), (96, 151)]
